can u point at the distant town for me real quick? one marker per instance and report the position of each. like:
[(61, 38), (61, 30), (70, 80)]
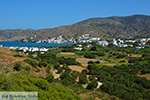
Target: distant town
[(137, 43)]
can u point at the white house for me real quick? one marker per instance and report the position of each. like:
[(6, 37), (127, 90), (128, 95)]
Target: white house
[(33, 49), (78, 48), (122, 45), (103, 43)]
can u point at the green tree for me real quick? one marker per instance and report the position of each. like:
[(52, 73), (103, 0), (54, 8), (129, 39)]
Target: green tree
[(82, 78), (50, 78), (17, 67), (92, 85)]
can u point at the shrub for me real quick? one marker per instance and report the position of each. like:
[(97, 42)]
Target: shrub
[(144, 55), (50, 78), (82, 78), (89, 55), (27, 68), (56, 66), (37, 70), (91, 78), (84, 71), (59, 69), (64, 75), (68, 81), (17, 67), (92, 85), (44, 64), (48, 69), (66, 68), (100, 53), (90, 62), (18, 55), (97, 62), (122, 61), (31, 62), (121, 56), (74, 74)]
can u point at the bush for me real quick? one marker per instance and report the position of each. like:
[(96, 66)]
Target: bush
[(56, 66), (42, 64), (48, 69), (91, 78), (90, 62), (18, 55), (37, 70), (66, 68), (144, 55), (133, 59), (59, 69), (122, 61), (64, 75), (84, 71), (74, 74), (89, 55), (68, 81), (119, 56), (27, 68), (100, 53), (31, 62), (50, 78), (97, 62), (82, 78), (92, 85), (17, 67)]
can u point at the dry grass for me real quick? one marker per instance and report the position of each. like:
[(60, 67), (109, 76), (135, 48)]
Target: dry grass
[(76, 68), (42, 72), (147, 76), (135, 55), (7, 57), (67, 53), (84, 61)]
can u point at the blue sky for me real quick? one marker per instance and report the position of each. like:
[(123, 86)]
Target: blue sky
[(38, 14)]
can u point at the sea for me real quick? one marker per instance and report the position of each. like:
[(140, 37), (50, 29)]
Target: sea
[(21, 44)]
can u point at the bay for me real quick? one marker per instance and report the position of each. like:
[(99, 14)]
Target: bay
[(20, 44)]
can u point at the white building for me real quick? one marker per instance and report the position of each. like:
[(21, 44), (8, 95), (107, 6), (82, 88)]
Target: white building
[(103, 43), (117, 42), (33, 49)]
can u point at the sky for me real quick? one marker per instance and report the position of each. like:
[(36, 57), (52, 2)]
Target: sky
[(39, 14)]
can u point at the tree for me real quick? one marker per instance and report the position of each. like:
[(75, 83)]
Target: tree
[(59, 69), (82, 78), (91, 78), (56, 66), (94, 48), (74, 74), (90, 62), (50, 78), (17, 67), (42, 64), (92, 85)]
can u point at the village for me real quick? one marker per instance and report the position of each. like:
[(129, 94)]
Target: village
[(141, 43)]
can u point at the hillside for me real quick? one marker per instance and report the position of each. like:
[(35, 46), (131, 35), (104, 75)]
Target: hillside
[(122, 27), (19, 72)]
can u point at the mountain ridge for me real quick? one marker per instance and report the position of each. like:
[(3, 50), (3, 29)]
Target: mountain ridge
[(107, 27)]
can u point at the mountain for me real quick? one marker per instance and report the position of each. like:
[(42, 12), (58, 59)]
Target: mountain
[(135, 26)]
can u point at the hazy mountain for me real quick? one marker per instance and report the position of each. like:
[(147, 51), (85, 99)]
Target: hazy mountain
[(122, 27)]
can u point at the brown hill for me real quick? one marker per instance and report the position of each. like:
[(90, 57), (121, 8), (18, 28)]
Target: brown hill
[(122, 27)]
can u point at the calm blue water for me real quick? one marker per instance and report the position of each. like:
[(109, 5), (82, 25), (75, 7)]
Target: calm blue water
[(20, 44)]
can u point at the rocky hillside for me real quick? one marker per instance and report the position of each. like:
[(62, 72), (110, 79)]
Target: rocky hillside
[(123, 27)]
